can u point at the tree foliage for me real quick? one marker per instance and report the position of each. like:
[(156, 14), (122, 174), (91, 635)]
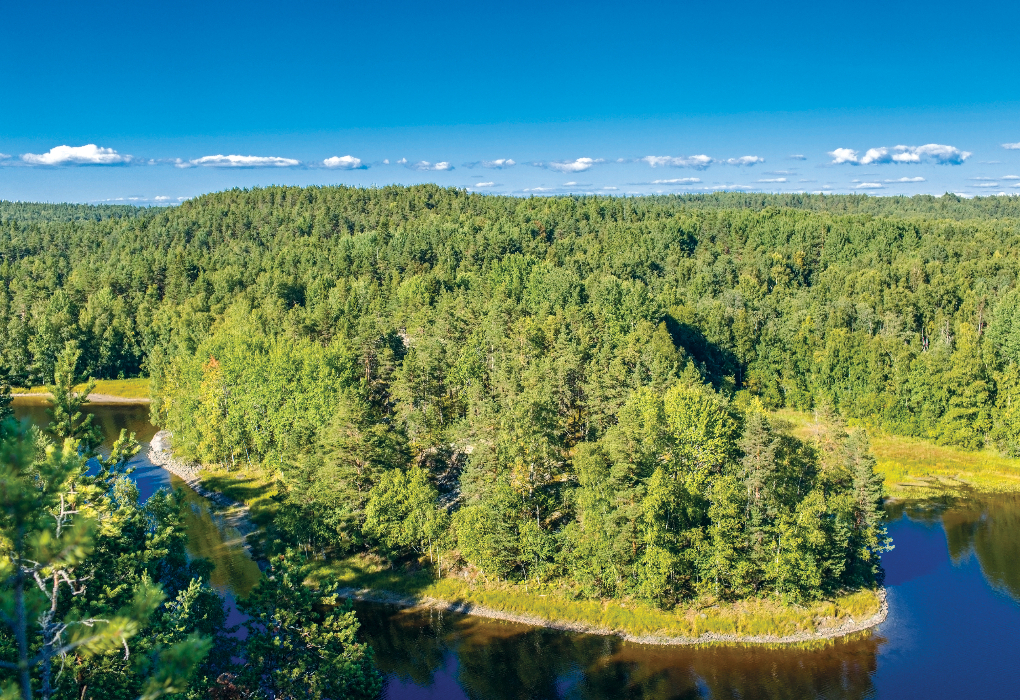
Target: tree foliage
[(579, 386)]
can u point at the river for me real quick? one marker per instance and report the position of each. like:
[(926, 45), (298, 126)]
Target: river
[(953, 629)]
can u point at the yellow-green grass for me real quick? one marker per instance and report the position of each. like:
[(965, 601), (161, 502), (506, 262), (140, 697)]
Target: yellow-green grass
[(756, 617), (120, 388), (251, 486), (913, 467)]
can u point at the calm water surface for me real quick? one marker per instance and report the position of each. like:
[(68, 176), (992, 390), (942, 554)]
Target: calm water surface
[(953, 629)]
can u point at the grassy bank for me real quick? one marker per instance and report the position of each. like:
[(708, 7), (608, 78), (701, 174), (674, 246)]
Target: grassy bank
[(633, 618), (912, 467), (117, 388)]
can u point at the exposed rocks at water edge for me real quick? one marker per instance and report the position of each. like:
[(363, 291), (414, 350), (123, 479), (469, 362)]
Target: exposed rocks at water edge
[(848, 627), (234, 515)]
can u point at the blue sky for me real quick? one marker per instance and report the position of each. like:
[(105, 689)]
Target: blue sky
[(154, 103)]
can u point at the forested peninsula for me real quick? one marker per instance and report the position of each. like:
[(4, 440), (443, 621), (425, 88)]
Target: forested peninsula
[(571, 393)]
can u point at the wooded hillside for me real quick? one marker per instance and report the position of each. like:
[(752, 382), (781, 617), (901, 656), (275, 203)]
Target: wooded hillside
[(578, 383)]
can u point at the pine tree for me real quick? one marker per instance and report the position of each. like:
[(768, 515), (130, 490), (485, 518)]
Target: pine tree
[(66, 418), (758, 472), (869, 535), (300, 643)]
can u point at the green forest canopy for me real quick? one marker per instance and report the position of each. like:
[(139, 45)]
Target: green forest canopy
[(580, 381)]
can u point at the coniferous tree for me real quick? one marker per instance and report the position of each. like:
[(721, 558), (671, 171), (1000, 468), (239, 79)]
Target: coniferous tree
[(67, 421), (300, 644)]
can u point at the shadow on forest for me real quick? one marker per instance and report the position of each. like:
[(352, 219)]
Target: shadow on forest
[(717, 362)]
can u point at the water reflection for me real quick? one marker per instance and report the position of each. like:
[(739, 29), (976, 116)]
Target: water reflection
[(111, 417), (950, 634), (985, 527), (435, 654), (209, 537)]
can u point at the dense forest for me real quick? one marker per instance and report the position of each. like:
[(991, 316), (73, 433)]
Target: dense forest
[(573, 389)]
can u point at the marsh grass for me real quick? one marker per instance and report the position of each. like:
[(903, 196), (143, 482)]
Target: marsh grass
[(634, 617), (121, 388), (917, 468)]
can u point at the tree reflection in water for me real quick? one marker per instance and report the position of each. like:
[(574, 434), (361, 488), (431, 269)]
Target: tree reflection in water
[(496, 660), (988, 528)]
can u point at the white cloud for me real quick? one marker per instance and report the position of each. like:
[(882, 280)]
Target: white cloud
[(402, 161), (797, 156), (843, 155), (745, 160), (943, 155), (729, 187), (344, 163), (424, 165), (876, 155), (981, 178), (485, 184), (773, 179), (1010, 177), (4, 156), (699, 162), (569, 184), (908, 179), (575, 166), (539, 189), (869, 186), (161, 198), (986, 184), (90, 154), (610, 188), (1012, 146), (677, 181), (498, 164), (931, 152), (234, 161)]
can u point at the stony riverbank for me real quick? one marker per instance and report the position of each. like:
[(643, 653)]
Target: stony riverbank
[(235, 515)]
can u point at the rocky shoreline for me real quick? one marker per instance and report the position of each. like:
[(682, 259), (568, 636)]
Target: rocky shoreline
[(234, 514), (848, 627)]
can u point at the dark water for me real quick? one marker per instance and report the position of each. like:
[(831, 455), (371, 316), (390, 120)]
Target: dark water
[(953, 630)]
